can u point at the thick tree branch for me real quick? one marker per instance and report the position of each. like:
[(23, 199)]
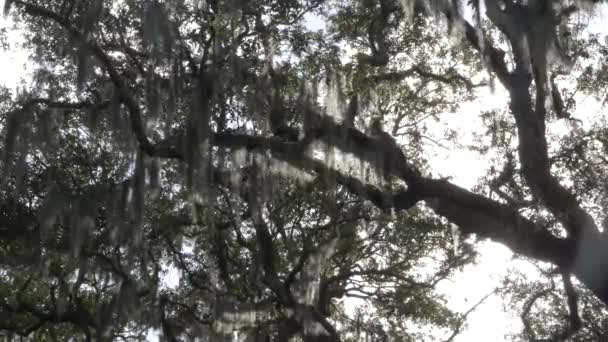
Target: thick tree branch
[(474, 213)]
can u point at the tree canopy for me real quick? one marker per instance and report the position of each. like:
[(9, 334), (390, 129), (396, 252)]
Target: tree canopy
[(283, 170)]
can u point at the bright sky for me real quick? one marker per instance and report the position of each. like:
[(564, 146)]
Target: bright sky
[(489, 322), (14, 60)]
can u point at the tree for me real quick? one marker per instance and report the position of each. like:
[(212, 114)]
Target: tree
[(281, 169)]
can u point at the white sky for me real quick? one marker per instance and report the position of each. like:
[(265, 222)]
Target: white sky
[(488, 322), (14, 61)]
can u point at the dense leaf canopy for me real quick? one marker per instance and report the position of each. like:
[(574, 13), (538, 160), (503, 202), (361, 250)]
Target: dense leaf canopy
[(283, 170)]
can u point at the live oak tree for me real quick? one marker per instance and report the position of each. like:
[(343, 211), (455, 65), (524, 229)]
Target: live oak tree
[(281, 169)]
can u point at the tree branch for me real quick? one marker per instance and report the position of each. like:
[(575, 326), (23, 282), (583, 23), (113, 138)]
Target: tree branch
[(121, 86), (463, 318)]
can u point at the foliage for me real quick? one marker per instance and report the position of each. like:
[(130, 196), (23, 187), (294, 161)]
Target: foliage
[(283, 172)]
